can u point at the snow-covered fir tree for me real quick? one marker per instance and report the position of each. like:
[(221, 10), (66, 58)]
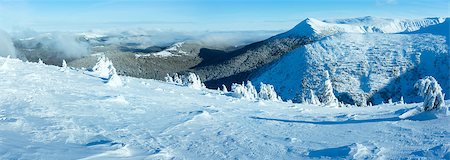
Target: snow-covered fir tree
[(64, 64), (194, 81), (102, 67), (114, 79), (252, 90), (401, 100), (311, 98), (267, 92), (191, 80), (105, 69), (169, 79), (177, 79), (245, 91), (328, 97), (248, 91), (224, 88), (40, 61), (430, 89), (5, 64)]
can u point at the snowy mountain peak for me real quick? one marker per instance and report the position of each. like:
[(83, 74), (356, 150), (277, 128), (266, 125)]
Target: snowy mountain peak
[(316, 29)]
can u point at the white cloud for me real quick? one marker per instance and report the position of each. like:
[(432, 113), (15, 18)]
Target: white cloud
[(6, 45), (386, 2)]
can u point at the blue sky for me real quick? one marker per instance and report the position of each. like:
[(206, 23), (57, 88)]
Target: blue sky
[(201, 15)]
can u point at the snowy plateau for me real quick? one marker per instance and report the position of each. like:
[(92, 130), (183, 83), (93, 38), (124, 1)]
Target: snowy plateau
[(369, 68)]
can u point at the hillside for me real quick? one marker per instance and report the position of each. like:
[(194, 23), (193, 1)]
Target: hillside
[(366, 66)]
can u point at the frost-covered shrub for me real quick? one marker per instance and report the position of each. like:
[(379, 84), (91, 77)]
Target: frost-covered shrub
[(190, 80), (328, 97), (430, 89), (267, 92)]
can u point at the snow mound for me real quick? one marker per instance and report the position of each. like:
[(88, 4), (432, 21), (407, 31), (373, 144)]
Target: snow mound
[(438, 152), (353, 151)]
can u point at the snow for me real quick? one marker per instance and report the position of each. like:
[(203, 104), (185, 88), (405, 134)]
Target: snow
[(317, 29), (363, 67), (174, 50), (190, 80), (431, 91), (49, 114)]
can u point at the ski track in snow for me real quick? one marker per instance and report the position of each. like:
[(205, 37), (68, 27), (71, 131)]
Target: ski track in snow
[(46, 113)]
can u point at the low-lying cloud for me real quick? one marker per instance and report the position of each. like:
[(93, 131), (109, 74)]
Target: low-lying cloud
[(6, 45), (52, 48)]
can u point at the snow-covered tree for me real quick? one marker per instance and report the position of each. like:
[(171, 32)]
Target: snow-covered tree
[(194, 81), (311, 98), (224, 88), (247, 91), (328, 97), (430, 89), (64, 64), (390, 101), (252, 90), (401, 100), (169, 79), (190, 80), (40, 61), (5, 64), (267, 92), (114, 79), (102, 67), (177, 79), (105, 69)]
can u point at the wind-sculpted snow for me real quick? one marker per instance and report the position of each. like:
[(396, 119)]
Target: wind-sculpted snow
[(363, 67), (46, 113)]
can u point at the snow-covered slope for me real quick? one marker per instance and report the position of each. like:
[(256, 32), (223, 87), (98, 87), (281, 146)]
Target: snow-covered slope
[(173, 50), (311, 27), (47, 112), (365, 65)]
